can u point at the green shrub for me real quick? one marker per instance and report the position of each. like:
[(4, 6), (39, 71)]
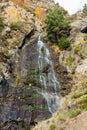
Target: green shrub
[(84, 99), (52, 126), (85, 9), (61, 118), (85, 37), (6, 36), (84, 81), (15, 26), (73, 113), (17, 80), (69, 60), (83, 105), (77, 48), (57, 24), (79, 94), (64, 43), (6, 51), (1, 22)]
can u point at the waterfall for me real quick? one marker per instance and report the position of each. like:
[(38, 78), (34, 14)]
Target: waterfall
[(50, 86)]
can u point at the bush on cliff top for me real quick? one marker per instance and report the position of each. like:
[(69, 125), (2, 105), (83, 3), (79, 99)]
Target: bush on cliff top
[(57, 26)]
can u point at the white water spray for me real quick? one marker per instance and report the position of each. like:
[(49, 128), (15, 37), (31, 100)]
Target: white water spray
[(47, 78)]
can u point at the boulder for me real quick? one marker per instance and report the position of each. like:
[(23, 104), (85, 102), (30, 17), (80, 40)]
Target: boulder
[(82, 69), (84, 28)]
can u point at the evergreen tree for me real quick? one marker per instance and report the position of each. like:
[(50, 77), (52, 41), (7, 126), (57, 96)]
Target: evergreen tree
[(57, 24), (85, 9)]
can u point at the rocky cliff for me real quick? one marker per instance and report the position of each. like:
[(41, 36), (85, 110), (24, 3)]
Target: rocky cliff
[(21, 104), (71, 113)]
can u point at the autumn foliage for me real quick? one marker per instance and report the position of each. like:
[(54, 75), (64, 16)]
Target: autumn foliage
[(40, 13), (20, 3)]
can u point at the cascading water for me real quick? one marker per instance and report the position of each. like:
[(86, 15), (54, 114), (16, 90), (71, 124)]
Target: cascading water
[(47, 78)]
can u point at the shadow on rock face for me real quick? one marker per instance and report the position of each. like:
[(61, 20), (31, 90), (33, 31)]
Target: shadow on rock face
[(4, 86), (14, 116), (9, 126), (27, 38)]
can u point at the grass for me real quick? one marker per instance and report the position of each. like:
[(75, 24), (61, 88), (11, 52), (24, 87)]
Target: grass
[(81, 101), (6, 36), (79, 94), (73, 113), (84, 99), (84, 81), (1, 22), (52, 126), (70, 59), (85, 37), (83, 106), (61, 118), (77, 48), (6, 51), (15, 26), (17, 80)]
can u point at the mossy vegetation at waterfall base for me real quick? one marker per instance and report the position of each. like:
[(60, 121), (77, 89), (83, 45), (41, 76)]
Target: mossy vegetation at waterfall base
[(58, 27)]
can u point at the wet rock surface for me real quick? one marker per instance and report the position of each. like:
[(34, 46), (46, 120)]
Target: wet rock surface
[(4, 86), (14, 111), (21, 104), (11, 126)]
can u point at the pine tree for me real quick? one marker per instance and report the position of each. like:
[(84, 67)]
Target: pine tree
[(57, 24)]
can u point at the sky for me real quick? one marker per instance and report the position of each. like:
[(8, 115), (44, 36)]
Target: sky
[(72, 5)]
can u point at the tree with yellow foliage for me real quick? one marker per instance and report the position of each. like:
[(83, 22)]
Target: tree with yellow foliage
[(40, 13)]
